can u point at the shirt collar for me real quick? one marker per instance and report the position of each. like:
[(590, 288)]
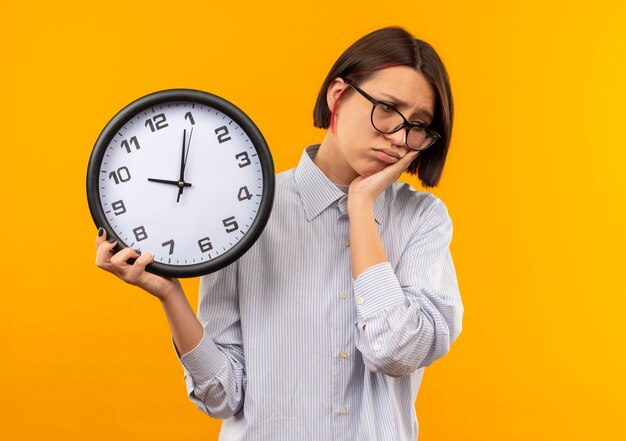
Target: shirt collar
[(317, 192)]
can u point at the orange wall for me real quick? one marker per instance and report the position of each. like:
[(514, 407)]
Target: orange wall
[(534, 184)]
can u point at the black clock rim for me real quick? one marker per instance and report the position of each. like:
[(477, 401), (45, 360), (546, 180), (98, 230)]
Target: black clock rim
[(224, 106)]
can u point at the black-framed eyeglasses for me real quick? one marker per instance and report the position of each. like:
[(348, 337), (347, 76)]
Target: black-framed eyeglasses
[(387, 119)]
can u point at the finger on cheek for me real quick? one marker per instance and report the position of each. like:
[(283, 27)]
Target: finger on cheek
[(411, 156)]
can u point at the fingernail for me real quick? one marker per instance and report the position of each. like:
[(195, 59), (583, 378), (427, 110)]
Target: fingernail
[(112, 240), (100, 231), (138, 252)]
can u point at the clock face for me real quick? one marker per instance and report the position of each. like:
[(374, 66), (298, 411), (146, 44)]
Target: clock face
[(184, 175)]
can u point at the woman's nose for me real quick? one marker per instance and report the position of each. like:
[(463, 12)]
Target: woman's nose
[(397, 138)]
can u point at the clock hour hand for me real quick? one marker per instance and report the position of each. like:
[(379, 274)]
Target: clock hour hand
[(166, 181)]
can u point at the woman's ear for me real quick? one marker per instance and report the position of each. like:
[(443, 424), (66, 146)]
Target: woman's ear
[(335, 89)]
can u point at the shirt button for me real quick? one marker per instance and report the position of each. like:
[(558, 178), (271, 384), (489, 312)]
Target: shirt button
[(343, 296), (377, 347), (360, 301), (346, 243), (343, 354), (343, 411)]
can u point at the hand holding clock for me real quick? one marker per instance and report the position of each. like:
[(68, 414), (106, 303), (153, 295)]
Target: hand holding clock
[(187, 331), (134, 274)]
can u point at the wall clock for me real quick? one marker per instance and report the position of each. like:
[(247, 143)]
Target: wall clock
[(185, 175)]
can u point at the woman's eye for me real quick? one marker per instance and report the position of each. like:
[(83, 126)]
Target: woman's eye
[(387, 107)]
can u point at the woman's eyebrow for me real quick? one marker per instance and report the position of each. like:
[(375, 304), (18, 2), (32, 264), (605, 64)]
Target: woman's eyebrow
[(420, 111)]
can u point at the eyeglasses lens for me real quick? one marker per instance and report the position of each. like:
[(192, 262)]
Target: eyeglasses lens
[(387, 120)]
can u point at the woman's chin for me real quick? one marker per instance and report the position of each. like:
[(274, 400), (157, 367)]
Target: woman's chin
[(372, 169)]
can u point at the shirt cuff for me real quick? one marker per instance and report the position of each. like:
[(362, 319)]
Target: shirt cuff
[(203, 362), (377, 288)]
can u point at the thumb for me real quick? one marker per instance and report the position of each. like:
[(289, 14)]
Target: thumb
[(143, 260)]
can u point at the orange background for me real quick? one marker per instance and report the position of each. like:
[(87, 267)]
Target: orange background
[(534, 184)]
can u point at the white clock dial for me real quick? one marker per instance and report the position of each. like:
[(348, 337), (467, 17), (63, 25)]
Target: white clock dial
[(223, 182)]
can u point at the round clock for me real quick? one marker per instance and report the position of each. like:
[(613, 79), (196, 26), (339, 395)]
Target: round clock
[(185, 175)]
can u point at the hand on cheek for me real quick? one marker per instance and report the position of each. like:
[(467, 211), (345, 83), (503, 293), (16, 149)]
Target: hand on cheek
[(367, 189)]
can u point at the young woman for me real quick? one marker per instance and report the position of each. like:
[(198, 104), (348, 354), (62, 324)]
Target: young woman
[(322, 330)]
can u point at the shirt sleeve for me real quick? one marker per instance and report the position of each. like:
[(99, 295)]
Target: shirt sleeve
[(408, 318), (214, 371)]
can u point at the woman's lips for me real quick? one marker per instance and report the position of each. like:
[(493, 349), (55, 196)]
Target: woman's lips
[(386, 157)]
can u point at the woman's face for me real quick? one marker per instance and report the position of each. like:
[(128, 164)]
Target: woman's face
[(360, 149)]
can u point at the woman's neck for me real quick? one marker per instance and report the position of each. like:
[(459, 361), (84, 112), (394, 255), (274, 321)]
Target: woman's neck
[(333, 164)]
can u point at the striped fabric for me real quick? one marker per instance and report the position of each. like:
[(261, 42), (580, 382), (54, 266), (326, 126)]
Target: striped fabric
[(295, 349)]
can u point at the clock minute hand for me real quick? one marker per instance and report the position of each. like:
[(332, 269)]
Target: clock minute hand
[(188, 148), (184, 163), (182, 166)]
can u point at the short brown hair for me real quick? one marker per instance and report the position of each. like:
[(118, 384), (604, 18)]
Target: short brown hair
[(394, 46)]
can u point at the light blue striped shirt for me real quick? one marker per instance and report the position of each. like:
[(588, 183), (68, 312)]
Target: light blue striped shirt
[(295, 349)]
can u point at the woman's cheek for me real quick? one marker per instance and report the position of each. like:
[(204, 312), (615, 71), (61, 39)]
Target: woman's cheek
[(369, 167)]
